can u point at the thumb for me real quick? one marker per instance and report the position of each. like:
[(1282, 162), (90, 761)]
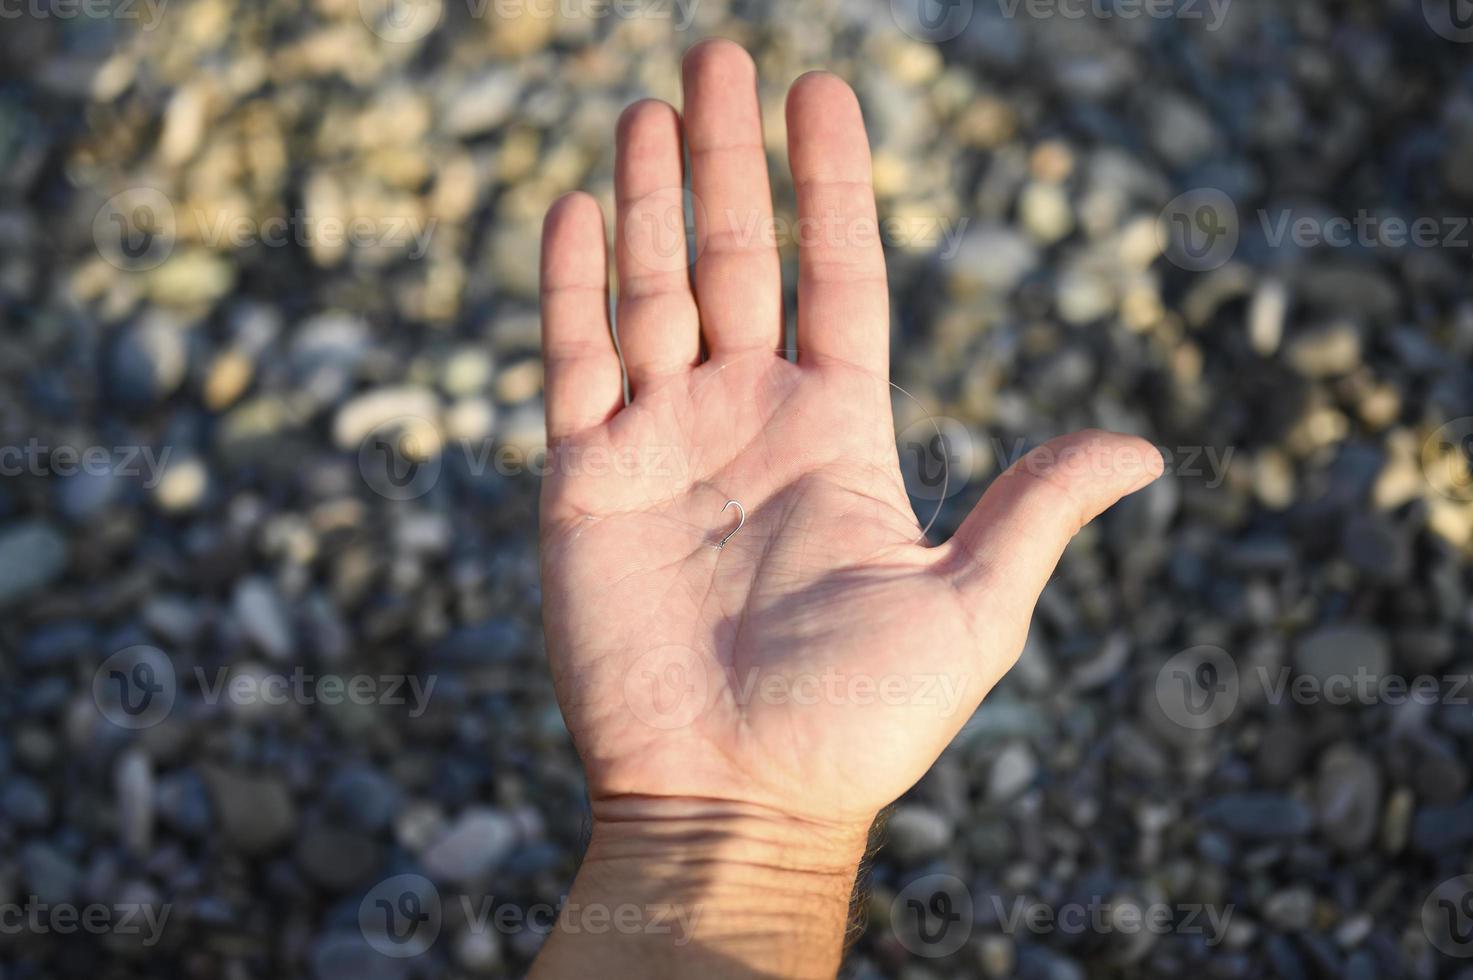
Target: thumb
[(1010, 544)]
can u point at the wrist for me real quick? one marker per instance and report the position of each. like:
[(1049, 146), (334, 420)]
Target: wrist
[(741, 890)]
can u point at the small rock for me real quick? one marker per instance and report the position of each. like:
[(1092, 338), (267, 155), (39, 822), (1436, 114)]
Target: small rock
[(1376, 547), (1348, 798), (991, 259), (997, 956), (1326, 352), (337, 859), (49, 874), (256, 813), (1396, 824), (363, 414), (362, 797), (914, 833), (183, 803), (1012, 772), (1343, 651), (59, 643), (1266, 316), (348, 956), (33, 554), (134, 785), (147, 361), (482, 104), (182, 486), (25, 803), (1290, 910), (1259, 816), (472, 847), (263, 616), (478, 951), (1438, 829)]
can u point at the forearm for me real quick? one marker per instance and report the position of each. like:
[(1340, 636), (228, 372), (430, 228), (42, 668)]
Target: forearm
[(705, 888)]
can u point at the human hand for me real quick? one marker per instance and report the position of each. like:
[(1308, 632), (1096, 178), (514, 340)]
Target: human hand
[(779, 691)]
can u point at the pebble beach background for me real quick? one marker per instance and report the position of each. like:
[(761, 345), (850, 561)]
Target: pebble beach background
[(264, 688)]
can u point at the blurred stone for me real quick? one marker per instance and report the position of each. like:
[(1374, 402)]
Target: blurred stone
[(1326, 352), (134, 785), (915, 833), (1259, 816), (33, 554), (263, 615), (1348, 798), (147, 360), (471, 847), (255, 813)]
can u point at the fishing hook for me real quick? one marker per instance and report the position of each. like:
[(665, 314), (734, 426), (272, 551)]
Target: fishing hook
[(741, 519)]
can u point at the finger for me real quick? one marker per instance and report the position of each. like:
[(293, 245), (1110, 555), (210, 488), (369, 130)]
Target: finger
[(738, 280), (583, 383), (843, 297), (1006, 549), (659, 331)]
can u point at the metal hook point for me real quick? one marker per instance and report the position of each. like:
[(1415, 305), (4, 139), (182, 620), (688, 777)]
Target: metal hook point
[(741, 519)]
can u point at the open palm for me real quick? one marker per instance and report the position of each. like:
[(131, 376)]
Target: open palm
[(819, 661)]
